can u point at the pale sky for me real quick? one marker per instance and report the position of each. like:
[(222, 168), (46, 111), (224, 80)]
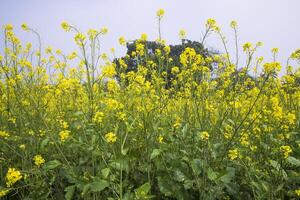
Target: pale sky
[(274, 22)]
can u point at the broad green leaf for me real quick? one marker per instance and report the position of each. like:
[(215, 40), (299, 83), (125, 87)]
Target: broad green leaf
[(143, 190), (105, 172), (293, 161), (211, 174), (124, 151), (69, 192), (188, 184), (229, 174), (155, 153), (164, 186), (185, 130), (44, 143), (98, 186), (120, 163), (196, 166), (179, 176), (86, 189), (52, 165), (233, 189), (130, 196), (275, 164)]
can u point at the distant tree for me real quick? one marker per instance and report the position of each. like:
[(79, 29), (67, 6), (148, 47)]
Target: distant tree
[(151, 47)]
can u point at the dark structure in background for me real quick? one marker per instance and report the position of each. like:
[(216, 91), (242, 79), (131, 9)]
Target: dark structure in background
[(150, 48)]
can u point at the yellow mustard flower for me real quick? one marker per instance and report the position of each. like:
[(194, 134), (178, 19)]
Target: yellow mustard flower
[(72, 55), (140, 48), (8, 27), (79, 39), (38, 160), (275, 50), (122, 63), (204, 135), (297, 192), (112, 50), (58, 52), (12, 119), (4, 134), (167, 49), (98, 117), (92, 33), (13, 176), (211, 24), (121, 116), (296, 55), (111, 137), (233, 154), (122, 41), (66, 26), (175, 70), (247, 46), (144, 37), (272, 67), (160, 139), (286, 150), (104, 30), (182, 34), (25, 27), (233, 24), (64, 135), (48, 50), (160, 13), (4, 192), (64, 124), (109, 71)]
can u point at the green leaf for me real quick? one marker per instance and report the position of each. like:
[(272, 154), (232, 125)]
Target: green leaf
[(52, 165), (120, 163), (211, 174), (179, 176), (188, 184), (293, 161), (86, 189), (185, 130), (275, 164), (196, 166), (229, 174), (69, 192), (143, 190), (98, 186), (124, 151), (44, 143), (155, 153), (105, 172), (164, 187), (129, 196), (233, 189)]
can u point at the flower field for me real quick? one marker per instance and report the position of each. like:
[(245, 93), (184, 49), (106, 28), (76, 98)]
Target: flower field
[(84, 126)]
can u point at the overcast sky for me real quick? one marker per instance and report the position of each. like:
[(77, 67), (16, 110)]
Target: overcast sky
[(274, 22)]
